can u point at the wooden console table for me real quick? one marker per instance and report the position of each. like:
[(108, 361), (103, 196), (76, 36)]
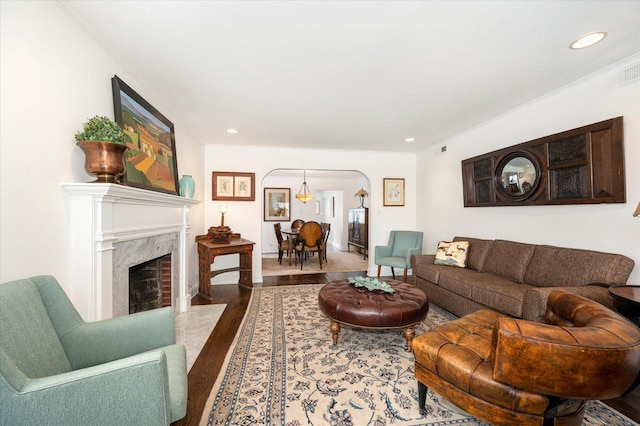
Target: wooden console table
[(207, 252)]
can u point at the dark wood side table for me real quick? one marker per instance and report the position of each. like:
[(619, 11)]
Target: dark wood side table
[(207, 252), (626, 299)]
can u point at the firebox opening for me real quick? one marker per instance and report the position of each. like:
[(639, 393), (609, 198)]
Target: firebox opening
[(150, 284)]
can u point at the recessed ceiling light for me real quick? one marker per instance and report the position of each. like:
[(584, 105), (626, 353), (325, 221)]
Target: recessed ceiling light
[(410, 140), (232, 131), (588, 40)]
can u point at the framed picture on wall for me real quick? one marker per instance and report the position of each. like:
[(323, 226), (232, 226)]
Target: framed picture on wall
[(393, 190), (151, 159), (234, 186), (276, 204)]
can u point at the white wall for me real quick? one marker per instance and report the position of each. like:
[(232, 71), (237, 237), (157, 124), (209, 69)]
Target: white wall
[(246, 217), (53, 77), (604, 227)]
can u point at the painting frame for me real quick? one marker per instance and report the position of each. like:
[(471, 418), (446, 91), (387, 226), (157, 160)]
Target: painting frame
[(150, 162), (233, 186), (280, 213), (393, 192)]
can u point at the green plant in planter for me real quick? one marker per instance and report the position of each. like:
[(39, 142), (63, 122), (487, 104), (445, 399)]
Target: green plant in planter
[(101, 128)]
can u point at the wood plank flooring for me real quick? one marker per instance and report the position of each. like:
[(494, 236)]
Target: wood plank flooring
[(205, 370)]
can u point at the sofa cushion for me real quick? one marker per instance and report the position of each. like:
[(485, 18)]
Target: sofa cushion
[(508, 259), (557, 266), (502, 295), (460, 281), (491, 290), (452, 254), (477, 252)]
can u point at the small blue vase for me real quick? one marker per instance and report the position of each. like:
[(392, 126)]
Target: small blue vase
[(187, 186)]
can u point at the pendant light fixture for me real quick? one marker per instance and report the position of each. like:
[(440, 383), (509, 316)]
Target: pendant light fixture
[(304, 194)]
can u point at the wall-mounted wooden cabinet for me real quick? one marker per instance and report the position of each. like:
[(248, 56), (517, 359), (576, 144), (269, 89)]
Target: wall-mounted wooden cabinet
[(579, 166)]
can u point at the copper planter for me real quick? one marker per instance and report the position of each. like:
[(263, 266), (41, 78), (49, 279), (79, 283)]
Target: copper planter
[(105, 160)]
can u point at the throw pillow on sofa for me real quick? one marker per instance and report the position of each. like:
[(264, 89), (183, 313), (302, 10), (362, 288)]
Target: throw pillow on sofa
[(452, 253)]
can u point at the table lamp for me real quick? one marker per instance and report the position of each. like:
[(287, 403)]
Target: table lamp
[(362, 193), (223, 210)]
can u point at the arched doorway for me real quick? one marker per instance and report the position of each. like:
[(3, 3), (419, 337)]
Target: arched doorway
[(334, 194)]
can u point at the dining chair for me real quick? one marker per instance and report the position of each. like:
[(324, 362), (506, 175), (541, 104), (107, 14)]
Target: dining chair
[(326, 229), (297, 224), (283, 245), (310, 240)]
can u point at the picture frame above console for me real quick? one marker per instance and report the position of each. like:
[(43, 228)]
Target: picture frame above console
[(579, 166)]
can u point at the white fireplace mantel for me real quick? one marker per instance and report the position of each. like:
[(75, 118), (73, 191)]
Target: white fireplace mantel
[(103, 215)]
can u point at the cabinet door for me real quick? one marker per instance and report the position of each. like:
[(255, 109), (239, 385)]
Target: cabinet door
[(358, 226)]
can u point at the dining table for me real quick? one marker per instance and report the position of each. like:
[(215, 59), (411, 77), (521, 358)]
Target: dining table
[(292, 237)]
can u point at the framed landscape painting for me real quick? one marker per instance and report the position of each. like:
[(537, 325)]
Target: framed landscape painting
[(276, 204), (151, 161)]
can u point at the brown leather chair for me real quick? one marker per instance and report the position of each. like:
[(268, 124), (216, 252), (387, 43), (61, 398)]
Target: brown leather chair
[(509, 371), (283, 245), (310, 240)]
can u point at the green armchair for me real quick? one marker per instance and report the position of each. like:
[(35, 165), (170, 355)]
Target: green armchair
[(397, 253), (57, 369)]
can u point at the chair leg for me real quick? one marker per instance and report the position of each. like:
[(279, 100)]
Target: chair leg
[(320, 258), (379, 270), (393, 273), (280, 253), (422, 398), (405, 276)]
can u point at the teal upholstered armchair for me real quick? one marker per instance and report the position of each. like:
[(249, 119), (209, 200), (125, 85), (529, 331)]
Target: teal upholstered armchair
[(57, 369), (397, 253)]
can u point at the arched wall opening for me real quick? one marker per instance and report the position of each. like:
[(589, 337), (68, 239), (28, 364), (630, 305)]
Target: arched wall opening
[(334, 194)]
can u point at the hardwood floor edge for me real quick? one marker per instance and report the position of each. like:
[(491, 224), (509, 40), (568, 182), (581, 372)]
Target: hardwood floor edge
[(208, 364)]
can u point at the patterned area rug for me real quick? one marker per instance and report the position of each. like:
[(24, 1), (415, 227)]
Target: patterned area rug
[(282, 369)]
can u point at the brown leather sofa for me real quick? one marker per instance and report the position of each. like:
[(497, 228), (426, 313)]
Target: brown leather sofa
[(509, 371), (516, 278)]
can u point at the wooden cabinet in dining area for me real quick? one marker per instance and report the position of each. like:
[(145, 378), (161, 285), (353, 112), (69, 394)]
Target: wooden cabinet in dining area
[(359, 230)]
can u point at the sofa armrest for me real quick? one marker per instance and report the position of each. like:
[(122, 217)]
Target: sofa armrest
[(128, 391), (534, 302), (417, 259), (98, 342), (575, 358)]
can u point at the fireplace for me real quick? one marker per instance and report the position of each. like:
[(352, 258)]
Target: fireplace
[(140, 251), (150, 285), (116, 227)]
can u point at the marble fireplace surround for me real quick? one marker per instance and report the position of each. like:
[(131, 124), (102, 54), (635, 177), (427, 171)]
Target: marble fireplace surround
[(114, 227)]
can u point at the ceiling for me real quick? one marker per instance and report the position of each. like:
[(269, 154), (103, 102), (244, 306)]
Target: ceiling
[(360, 75)]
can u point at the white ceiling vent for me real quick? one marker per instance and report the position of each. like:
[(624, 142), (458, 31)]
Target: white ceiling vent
[(629, 74)]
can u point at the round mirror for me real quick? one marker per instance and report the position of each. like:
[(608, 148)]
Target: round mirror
[(517, 175)]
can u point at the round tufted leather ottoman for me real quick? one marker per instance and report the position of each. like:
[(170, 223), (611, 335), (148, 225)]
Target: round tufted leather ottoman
[(346, 304)]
